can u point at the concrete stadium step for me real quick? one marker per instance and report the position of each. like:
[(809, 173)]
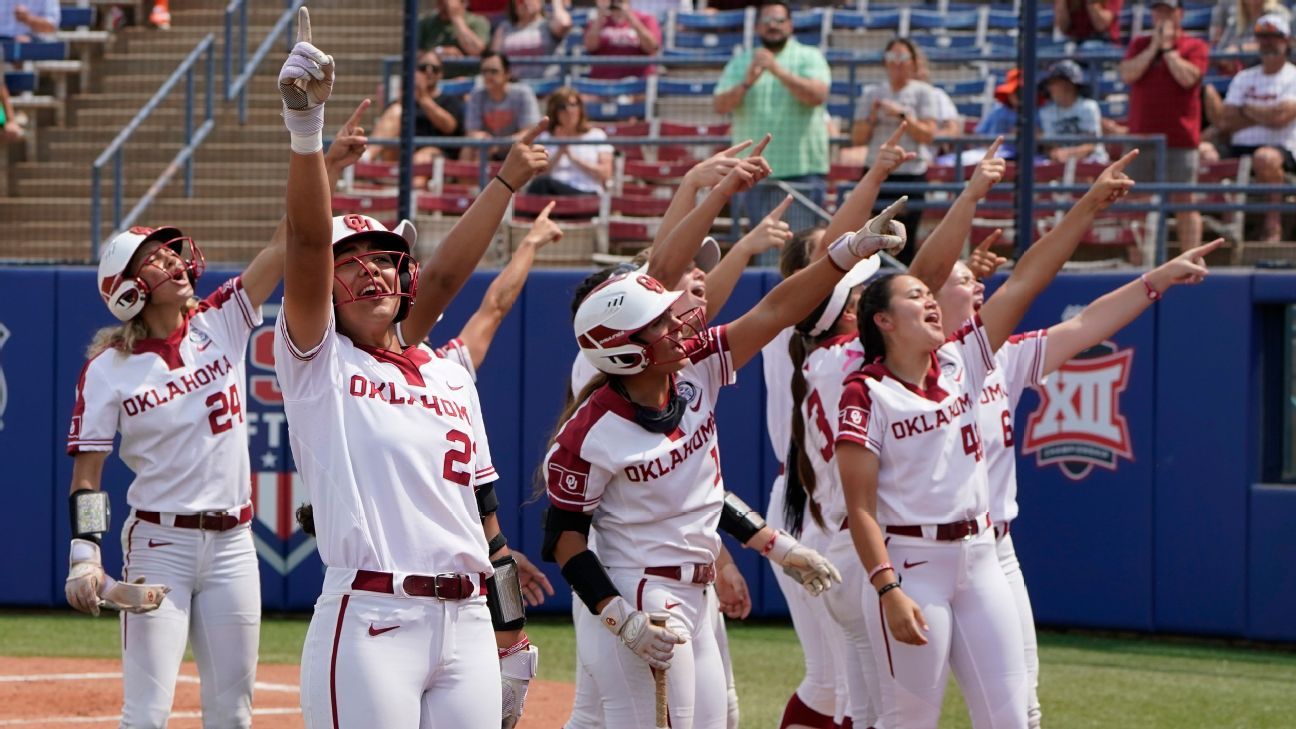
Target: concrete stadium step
[(182, 209), (205, 186), (57, 242), (141, 86), (162, 131), (46, 171)]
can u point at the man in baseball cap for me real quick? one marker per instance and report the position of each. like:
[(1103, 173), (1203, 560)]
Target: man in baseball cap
[(1255, 113)]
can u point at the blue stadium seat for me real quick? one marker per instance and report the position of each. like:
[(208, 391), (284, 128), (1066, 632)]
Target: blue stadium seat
[(812, 19), (684, 87), (614, 100), (850, 20), (883, 19), (72, 17), (843, 88), (1197, 19), (1004, 19), (717, 41), (924, 19), (609, 89), (458, 86), (19, 82), (971, 87), (962, 43), (545, 86), (15, 52), (842, 109), (725, 20), (720, 56), (971, 109), (1113, 109)]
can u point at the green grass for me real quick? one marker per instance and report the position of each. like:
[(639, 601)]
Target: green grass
[(1087, 680)]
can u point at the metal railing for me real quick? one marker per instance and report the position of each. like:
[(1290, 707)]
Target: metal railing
[(237, 85), (192, 138)]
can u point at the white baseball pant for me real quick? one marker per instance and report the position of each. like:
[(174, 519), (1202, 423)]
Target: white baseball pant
[(214, 605), (1017, 581), (845, 604), (386, 661), (969, 607)]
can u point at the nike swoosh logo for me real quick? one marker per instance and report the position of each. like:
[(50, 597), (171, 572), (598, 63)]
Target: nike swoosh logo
[(670, 605), (452, 387), (380, 631), (155, 543), (911, 565)]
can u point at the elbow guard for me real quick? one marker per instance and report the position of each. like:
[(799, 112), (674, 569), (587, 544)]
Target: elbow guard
[(487, 500), (558, 521), (587, 577), (504, 596), (90, 514), (739, 520)]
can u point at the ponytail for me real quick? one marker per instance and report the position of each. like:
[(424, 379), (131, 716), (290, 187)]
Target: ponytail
[(799, 480), (876, 298)]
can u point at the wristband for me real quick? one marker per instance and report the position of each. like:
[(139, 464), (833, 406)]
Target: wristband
[(522, 644), (1152, 293), (503, 182), (887, 588), (878, 570), (307, 143)]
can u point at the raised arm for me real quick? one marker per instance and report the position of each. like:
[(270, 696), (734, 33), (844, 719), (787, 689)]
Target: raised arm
[(1112, 311), (1044, 259), (794, 298), (305, 82), (707, 173), (442, 275), (264, 272), (480, 330), (938, 254), (858, 205), (772, 232)]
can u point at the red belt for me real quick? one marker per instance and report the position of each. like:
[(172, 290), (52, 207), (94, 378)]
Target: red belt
[(1002, 530), (213, 521), (703, 574), (446, 586), (944, 532)]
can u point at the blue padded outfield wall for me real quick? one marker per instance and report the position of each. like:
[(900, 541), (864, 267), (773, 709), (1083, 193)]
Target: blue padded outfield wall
[(1140, 464)]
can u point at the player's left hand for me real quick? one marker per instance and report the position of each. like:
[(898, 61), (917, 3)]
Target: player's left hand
[(891, 155), (809, 568), (133, 597), (517, 668), (989, 170), (731, 590), (349, 144), (984, 262), (535, 586), (1112, 185), (543, 232), (1188, 267), (881, 233), (305, 83), (525, 159), (771, 232)]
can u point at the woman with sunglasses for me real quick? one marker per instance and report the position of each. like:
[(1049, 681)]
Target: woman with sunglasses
[(438, 114), (576, 169), (498, 107), (527, 32), (170, 378), (882, 107), (636, 459)]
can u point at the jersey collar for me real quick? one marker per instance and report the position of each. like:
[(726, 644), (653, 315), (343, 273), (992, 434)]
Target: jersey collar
[(408, 361), (168, 348), (930, 389)]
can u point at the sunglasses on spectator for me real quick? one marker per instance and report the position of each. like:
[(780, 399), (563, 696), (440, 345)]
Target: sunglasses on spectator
[(491, 71), (429, 68), (574, 104), (898, 56), (773, 21)]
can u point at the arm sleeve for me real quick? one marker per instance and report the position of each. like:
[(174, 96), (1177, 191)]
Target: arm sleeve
[(856, 421), (1198, 55), (716, 360), (573, 483), (1236, 92), (94, 415), (654, 29), (304, 374), (1022, 360), (229, 314), (815, 67), (483, 466)]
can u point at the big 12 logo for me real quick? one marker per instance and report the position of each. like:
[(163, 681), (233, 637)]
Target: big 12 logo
[(1078, 424)]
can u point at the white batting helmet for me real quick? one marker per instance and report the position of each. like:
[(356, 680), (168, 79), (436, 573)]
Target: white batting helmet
[(614, 312), (125, 295), (347, 228)]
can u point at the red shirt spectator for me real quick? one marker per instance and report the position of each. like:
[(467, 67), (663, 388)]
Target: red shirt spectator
[(1158, 104), (618, 30), (1075, 18)]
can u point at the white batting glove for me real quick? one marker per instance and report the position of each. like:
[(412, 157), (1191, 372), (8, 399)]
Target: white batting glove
[(305, 82), (85, 576), (803, 564), (881, 233), (132, 597), (518, 665), (654, 644)]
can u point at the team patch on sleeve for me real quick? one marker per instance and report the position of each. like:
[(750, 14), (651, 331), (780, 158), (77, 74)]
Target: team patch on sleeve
[(567, 480), (853, 413)]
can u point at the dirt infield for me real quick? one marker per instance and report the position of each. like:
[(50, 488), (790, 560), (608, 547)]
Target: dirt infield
[(76, 693)]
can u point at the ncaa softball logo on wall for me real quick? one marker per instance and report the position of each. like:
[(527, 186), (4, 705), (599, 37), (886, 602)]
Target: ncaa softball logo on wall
[(4, 386), (1078, 424)]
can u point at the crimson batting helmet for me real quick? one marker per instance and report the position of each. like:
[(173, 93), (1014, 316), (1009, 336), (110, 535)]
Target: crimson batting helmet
[(621, 307), (353, 228), (125, 294)]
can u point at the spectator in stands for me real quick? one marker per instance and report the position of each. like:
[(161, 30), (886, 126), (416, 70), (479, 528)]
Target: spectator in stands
[(1070, 112), (578, 169), (881, 108), (619, 30), (1002, 119), (438, 114), (1233, 23), (780, 88), (498, 107), (527, 32), (1163, 70), (23, 20), (453, 32), (949, 122), (1260, 112), (1091, 23)]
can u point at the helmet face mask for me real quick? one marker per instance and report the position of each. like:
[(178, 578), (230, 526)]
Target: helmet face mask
[(688, 337), (126, 294), (384, 250)]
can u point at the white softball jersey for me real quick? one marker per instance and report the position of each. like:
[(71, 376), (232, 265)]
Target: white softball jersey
[(582, 371), (777, 366), (456, 350), (655, 498), (391, 446), (932, 463), (825, 370), (1019, 364), (179, 405)]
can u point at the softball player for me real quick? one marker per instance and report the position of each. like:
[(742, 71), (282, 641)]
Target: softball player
[(170, 379), (390, 441), (650, 420)]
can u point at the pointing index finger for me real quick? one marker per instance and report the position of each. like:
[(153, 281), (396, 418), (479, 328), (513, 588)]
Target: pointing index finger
[(354, 120), (734, 150), (535, 131), (1120, 164), (547, 209), (892, 210), (760, 146), (779, 210), (993, 149), (899, 132), (303, 25), (989, 240)]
